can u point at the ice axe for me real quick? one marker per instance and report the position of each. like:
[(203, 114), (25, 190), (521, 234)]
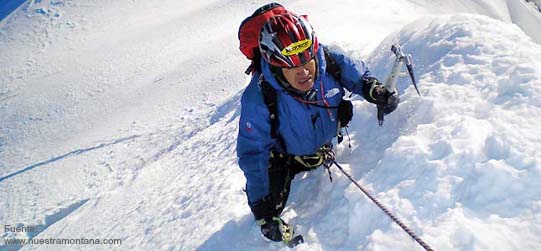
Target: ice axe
[(390, 82)]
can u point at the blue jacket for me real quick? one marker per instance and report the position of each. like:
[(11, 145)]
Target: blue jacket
[(300, 134)]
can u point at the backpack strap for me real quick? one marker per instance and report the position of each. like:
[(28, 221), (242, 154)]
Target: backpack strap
[(270, 98), (345, 109), (332, 66)]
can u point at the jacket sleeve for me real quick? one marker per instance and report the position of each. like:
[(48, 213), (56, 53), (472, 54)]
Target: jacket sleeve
[(353, 73), (254, 143)]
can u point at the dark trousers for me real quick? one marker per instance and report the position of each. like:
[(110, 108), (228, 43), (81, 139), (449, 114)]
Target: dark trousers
[(281, 172)]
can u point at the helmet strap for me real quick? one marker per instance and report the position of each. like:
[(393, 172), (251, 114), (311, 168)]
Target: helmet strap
[(281, 79)]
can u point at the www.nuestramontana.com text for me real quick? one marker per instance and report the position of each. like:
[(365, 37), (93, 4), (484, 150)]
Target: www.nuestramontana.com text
[(55, 241)]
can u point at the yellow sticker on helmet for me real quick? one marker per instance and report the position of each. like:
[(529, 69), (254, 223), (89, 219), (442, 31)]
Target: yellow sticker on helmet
[(297, 47)]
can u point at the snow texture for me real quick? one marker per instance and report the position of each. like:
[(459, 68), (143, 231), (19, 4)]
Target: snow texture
[(118, 119)]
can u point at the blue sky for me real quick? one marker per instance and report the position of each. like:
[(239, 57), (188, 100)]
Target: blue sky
[(7, 6)]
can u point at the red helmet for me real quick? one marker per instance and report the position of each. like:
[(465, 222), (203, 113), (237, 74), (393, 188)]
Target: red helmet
[(287, 40)]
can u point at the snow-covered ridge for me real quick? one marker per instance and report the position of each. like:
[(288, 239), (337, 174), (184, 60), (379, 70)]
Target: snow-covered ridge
[(527, 16), (466, 152), (535, 3)]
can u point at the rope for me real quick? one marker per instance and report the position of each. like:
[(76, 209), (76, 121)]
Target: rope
[(386, 211)]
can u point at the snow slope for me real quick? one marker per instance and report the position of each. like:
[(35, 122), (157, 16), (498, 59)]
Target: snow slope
[(467, 151), (119, 119)]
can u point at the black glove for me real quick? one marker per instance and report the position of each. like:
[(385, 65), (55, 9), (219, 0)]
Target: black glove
[(376, 93)]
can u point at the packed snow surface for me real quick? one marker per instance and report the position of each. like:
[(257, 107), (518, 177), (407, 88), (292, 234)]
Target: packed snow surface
[(118, 119)]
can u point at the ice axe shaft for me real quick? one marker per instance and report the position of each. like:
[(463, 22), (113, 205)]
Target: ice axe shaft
[(390, 82), (401, 58), (396, 72)]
